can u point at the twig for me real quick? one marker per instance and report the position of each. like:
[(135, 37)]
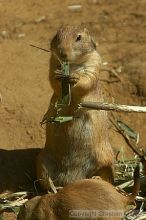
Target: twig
[(48, 51), (13, 204), (52, 185), (114, 73), (112, 107), (12, 195), (40, 48), (140, 198), (126, 184)]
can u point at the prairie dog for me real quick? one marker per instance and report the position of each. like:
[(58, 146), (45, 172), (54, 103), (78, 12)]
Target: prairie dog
[(91, 197), (79, 148)]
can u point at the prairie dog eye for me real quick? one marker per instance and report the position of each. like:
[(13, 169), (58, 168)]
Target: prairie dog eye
[(78, 38)]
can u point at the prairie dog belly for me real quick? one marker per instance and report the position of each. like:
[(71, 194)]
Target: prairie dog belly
[(71, 148)]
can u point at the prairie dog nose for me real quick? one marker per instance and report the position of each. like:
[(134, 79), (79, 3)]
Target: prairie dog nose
[(63, 54)]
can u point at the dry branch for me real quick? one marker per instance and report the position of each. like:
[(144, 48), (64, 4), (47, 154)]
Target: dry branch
[(134, 146), (112, 107)]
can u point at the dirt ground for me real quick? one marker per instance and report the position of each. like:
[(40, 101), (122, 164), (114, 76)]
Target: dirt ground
[(119, 27)]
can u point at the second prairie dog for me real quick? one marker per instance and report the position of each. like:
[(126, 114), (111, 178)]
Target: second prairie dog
[(80, 148), (93, 197)]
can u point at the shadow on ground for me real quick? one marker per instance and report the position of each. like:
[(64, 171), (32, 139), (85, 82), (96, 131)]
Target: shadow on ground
[(17, 169)]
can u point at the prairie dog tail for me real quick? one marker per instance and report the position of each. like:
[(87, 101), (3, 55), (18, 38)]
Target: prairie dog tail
[(136, 186)]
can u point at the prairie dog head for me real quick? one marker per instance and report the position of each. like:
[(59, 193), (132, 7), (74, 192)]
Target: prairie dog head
[(27, 210), (73, 44)]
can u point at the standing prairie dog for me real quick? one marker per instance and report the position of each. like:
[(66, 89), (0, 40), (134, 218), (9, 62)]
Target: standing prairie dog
[(93, 198), (79, 148)]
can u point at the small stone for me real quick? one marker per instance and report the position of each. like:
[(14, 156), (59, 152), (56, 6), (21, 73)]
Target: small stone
[(21, 35), (4, 34), (75, 8), (40, 19)]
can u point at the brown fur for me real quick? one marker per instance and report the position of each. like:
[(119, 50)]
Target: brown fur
[(80, 148), (83, 195)]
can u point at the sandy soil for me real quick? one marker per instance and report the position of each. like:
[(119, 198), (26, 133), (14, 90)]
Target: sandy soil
[(119, 27)]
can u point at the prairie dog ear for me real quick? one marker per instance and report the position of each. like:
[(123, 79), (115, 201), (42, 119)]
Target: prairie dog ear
[(92, 40), (86, 31), (93, 43)]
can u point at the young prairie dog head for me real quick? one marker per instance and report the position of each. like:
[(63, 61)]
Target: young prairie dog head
[(73, 44)]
